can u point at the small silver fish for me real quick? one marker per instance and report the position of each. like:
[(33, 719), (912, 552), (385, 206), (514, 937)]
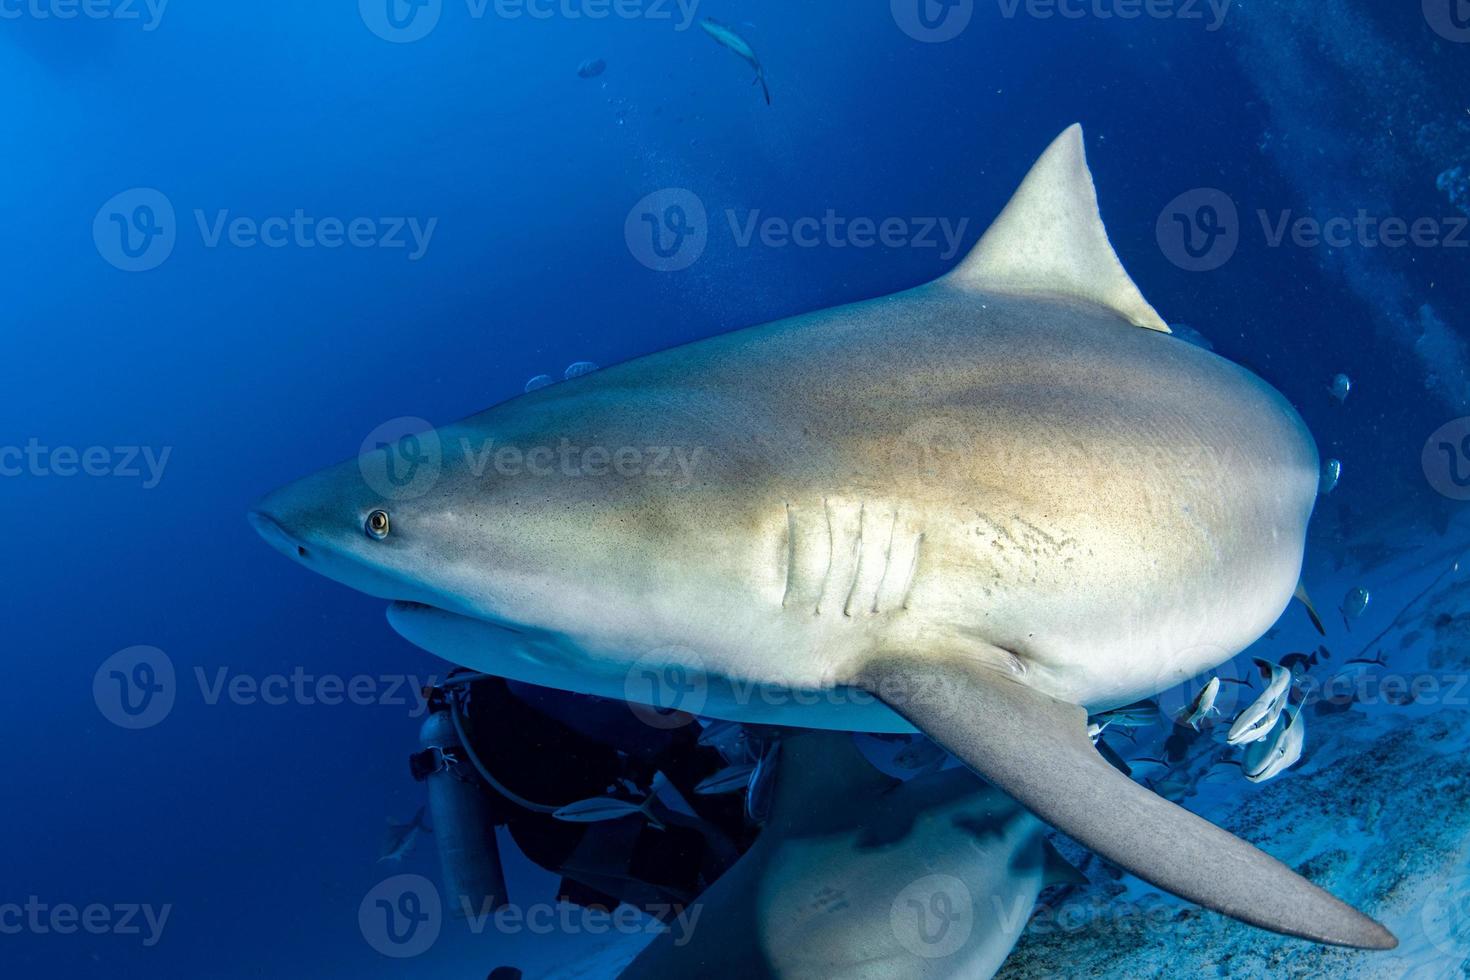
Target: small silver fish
[(731, 779), (1331, 474), (400, 839), (1137, 715), (1148, 764), (740, 46), (1279, 751), (716, 732), (763, 782), (1341, 386), (1256, 721), (1354, 604), (1203, 705), (578, 369), (540, 381), (600, 808)]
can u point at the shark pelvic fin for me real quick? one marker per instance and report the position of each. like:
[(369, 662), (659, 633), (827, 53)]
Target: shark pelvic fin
[(1050, 241), (1060, 871), (1036, 748), (818, 768)]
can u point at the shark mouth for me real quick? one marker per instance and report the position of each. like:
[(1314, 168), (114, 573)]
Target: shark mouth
[(504, 650)]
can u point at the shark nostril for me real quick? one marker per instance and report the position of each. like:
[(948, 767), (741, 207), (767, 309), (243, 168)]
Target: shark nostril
[(300, 551)]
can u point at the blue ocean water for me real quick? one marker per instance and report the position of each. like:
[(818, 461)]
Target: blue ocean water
[(165, 365)]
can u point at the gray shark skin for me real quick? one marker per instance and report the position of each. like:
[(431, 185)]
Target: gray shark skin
[(840, 885), (980, 508)]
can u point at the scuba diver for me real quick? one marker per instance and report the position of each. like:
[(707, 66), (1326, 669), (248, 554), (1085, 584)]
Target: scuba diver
[(587, 790)]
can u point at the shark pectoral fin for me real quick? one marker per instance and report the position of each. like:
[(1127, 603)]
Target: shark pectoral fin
[(1036, 749), (1050, 240)]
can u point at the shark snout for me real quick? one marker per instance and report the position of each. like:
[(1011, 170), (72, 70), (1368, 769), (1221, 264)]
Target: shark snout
[(275, 535)]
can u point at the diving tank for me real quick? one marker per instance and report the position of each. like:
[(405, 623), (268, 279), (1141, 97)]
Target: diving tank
[(474, 882)]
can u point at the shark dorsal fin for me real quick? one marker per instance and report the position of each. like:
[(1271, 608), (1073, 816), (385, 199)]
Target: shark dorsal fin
[(1050, 240)]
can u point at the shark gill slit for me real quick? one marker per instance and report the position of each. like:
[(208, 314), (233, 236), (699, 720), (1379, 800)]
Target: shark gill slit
[(857, 561), (831, 549), (887, 561), (790, 553), (908, 589)]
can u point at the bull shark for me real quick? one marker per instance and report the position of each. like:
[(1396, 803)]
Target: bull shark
[(980, 508), (841, 882)]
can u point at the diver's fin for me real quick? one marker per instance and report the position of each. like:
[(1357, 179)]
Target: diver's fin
[(1050, 240), (1058, 870), (1301, 596), (1035, 748)]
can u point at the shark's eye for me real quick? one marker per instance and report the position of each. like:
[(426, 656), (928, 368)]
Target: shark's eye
[(377, 526)]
